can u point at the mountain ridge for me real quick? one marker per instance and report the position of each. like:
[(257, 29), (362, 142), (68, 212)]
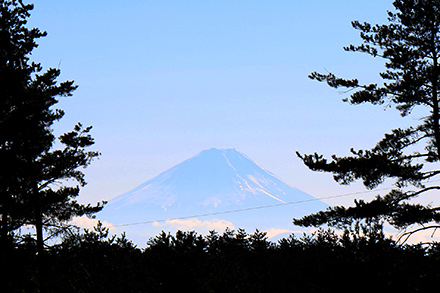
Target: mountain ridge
[(213, 181)]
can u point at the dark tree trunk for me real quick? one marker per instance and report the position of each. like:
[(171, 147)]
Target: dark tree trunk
[(38, 215), (39, 229), (4, 241)]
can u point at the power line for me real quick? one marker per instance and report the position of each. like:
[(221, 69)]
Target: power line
[(252, 208)]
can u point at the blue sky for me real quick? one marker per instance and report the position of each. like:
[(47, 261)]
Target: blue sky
[(161, 81)]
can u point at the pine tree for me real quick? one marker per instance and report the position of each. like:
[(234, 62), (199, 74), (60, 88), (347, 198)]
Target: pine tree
[(409, 44), (33, 173)]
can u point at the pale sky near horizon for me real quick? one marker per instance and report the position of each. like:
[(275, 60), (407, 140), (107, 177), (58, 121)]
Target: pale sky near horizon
[(161, 81)]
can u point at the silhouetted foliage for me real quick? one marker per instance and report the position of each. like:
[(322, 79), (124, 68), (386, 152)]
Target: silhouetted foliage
[(233, 261), (34, 173), (410, 47)]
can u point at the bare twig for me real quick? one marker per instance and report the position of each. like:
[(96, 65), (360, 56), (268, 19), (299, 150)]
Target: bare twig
[(408, 234)]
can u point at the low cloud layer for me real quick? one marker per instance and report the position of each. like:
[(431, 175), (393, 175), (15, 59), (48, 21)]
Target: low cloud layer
[(87, 223), (274, 232), (196, 224)]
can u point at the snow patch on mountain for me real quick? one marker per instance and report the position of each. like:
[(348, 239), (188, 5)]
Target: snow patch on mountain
[(223, 186)]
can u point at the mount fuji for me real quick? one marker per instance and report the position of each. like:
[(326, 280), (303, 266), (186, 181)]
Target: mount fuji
[(215, 189)]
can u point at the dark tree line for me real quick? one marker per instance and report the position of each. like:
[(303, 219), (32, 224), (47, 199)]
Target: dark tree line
[(230, 262)]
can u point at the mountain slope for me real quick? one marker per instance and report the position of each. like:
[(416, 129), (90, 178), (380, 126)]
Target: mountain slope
[(216, 181)]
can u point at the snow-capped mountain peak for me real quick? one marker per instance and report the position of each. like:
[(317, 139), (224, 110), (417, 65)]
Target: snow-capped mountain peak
[(212, 181)]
